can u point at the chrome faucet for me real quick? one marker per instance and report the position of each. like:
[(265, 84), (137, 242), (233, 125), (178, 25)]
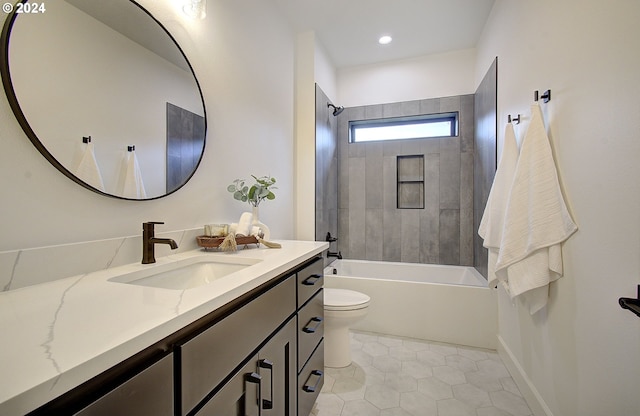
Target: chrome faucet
[(149, 242)]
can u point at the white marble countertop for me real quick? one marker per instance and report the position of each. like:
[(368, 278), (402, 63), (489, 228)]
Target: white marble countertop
[(60, 334)]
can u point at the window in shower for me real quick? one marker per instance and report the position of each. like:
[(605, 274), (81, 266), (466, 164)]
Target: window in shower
[(399, 128), (410, 191)]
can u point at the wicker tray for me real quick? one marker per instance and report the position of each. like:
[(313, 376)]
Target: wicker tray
[(214, 242)]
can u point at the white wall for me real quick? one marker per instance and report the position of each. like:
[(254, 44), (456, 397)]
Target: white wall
[(243, 56), (305, 150), (429, 76), (582, 355), (312, 66)]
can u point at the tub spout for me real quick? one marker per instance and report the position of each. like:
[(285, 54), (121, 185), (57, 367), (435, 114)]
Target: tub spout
[(338, 254)]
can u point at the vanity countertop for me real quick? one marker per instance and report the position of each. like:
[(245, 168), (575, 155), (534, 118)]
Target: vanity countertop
[(60, 334)]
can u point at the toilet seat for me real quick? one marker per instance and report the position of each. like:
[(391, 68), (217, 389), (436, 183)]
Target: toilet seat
[(344, 300)]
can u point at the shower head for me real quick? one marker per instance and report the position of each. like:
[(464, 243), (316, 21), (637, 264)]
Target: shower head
[(336, 110)]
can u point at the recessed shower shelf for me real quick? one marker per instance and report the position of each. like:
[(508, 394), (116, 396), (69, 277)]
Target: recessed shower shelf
[(632, 304)]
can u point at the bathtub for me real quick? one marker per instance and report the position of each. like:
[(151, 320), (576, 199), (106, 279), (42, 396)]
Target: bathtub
[(440, 303)]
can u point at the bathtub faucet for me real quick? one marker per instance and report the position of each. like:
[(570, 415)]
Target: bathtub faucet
[(329, 238), (338, 255)]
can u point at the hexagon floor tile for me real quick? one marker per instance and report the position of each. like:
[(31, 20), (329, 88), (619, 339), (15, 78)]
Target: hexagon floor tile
[(396, 376)]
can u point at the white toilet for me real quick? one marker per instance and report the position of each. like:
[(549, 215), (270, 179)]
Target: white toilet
[(342, 308)]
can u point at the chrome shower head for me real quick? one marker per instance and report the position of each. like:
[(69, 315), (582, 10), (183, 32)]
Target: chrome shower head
[(336, 110)]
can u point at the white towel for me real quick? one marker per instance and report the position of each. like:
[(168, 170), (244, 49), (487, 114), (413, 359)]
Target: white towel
[(88, 170), (255, 230), (536, 221), (133, 184), (492, 222), (245, 224)]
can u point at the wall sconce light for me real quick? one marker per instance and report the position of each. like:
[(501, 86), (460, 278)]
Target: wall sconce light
[(195, 9)]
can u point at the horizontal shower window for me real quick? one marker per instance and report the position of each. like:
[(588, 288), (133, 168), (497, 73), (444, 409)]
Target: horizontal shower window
[(400, 128)]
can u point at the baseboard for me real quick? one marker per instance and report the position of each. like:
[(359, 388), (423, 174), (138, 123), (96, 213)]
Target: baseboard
[(528, 390)]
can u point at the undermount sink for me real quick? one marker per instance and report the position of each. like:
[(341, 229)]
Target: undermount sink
[(185, 274)]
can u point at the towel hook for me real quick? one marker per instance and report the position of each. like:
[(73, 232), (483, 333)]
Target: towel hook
[(515, 119), (546, 96), (86, 139), (131, 148), (632, 304)]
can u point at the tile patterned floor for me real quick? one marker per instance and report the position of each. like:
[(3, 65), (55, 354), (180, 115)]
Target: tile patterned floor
[(395, 376)]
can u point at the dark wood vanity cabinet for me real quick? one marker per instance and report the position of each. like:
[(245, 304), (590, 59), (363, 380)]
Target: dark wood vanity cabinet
[(310, 334), (266, 327), (286, 374), (264, 385), (261, 354)]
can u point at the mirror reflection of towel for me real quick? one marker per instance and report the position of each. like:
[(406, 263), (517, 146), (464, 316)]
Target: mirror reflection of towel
[(133, 184), (88, 171)]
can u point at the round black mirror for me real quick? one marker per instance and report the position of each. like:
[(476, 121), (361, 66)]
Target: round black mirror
[(105, 93)]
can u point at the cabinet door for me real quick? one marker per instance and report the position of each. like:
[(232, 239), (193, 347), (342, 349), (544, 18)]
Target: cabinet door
[(239, 396), (277, 368)]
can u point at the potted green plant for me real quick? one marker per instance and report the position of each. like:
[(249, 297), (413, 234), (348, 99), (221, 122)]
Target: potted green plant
[(262, 189), (258, 192)]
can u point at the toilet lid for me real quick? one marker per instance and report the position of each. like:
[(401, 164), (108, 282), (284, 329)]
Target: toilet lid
[(344, 299)]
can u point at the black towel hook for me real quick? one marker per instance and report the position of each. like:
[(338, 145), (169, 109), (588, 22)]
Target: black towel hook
[(131, 148), (514, 120), (86, 139), (546, 96), (632, 304)]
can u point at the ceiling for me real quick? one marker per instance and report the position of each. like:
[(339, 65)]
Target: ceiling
[(349, 30)]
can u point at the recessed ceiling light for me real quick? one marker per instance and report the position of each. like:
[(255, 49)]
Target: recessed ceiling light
[(384, 40)]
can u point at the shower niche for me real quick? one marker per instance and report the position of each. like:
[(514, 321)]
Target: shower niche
[(410, 182)]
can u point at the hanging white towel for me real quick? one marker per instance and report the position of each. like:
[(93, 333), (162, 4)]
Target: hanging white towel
[(536, 221), (491, 225), (88, 170), (133, 184)]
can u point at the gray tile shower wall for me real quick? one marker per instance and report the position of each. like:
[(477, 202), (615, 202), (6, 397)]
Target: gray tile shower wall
[(370, 226), (326, 170)]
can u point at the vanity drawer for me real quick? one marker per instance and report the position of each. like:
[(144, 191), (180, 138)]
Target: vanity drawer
[(212, 355), (148, 393), (310, 381), (310, 280), (310, 327)]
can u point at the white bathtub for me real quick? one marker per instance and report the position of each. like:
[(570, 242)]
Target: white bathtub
[(440, 303)]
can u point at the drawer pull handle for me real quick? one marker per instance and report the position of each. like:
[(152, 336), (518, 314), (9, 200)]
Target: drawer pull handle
[(311, 280), (308, 387), (268, 365), (311, 329), (252, 378)]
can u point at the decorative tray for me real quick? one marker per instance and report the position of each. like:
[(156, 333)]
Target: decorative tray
[(214, 242)]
